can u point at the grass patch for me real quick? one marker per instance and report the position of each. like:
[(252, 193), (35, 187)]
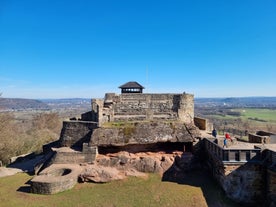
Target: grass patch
[(198, 191), (121, 124), (268, 115)]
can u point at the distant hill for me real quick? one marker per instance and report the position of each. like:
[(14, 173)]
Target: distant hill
[(68, 103), (258, 102), (9, 104), (19, 104), (16, 104)]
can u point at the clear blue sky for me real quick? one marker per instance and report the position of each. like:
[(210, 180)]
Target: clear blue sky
[(84, 48)]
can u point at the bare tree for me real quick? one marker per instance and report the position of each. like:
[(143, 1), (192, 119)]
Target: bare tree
[(18, 138)]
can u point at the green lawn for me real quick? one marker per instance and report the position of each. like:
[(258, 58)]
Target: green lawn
[(268, 115), (197, 191)]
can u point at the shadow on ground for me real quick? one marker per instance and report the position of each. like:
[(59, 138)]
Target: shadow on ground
[(26, 188), (213, 193)]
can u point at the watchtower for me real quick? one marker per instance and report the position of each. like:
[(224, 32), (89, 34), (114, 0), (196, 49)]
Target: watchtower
[(131, 87)]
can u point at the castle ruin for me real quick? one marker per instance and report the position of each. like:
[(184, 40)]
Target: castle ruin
[(133, 122), (134, 118), (133, 105)]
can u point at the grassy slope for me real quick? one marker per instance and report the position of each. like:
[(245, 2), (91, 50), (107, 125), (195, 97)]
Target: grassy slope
[(197, 191)]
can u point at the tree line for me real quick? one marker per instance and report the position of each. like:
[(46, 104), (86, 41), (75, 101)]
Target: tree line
[(19, 137)]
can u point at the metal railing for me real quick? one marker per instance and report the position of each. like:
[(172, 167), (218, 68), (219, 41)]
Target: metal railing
[(232, 155)]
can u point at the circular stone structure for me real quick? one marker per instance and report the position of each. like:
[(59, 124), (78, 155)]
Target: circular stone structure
[(56, 178)]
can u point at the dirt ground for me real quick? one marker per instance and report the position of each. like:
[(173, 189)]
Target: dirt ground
[(5, 171)]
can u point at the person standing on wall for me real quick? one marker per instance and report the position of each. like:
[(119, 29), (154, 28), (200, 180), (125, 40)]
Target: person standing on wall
[(225, 143), (227, 136), (214, 133)]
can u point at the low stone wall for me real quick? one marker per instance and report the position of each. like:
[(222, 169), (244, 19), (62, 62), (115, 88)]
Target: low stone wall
[(264, 133), (68, 156), (56, 178), (254, 138), (203, 124)]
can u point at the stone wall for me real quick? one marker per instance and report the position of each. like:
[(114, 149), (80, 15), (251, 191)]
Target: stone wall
[(90, 153), (262, 137), (242, 182), (254, 138), (264, 133), (66, 155), (270, 162), (246, 179), (56, 178), (271, 187), (75, 133), (129, 107), (203, 124)]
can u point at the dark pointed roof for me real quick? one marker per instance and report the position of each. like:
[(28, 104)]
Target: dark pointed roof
[(131, 84)]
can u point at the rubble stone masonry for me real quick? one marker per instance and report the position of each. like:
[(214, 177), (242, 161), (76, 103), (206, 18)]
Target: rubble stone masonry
[(138, 107)]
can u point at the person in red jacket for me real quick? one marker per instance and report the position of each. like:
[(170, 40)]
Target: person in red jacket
[(227, 136)]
